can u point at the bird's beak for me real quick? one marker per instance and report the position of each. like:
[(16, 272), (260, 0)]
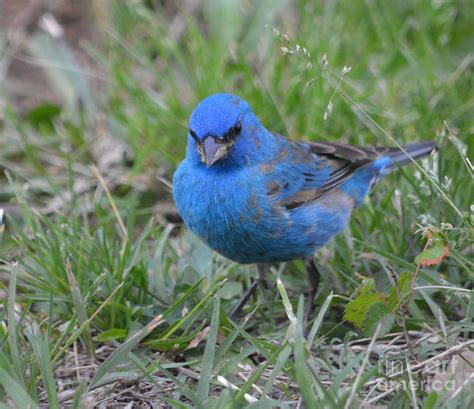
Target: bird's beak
[(213, 151)]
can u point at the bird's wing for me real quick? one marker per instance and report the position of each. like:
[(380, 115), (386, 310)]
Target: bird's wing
[(350, 152), (344, 160)]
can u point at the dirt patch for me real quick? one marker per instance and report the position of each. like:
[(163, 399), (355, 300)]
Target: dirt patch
[(26, 84)]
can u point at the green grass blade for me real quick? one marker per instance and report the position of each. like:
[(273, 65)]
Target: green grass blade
[(41, 351), (16, 391), (319, 319), (277, 369), (203, 387), (288, 309), (183, 388), (303, 376), (77, 400), (13, 342), (78, 301)]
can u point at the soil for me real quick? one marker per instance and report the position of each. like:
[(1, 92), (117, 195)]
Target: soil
[(24, 80)]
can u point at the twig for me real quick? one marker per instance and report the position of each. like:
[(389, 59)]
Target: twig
[(402, 308)]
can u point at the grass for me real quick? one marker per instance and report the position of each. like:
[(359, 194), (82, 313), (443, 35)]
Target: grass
[(108, 301)]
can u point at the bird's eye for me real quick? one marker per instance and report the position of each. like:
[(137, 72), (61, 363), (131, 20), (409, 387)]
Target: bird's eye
[(232, 133), (193, 134), (238, 128)]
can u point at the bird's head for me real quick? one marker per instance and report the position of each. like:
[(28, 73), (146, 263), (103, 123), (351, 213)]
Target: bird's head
[(219, 128)]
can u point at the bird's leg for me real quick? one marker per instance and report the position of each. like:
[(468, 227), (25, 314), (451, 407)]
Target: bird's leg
[(268, 291), (313, 278), (260, 281), (261, 276), (243, 300)]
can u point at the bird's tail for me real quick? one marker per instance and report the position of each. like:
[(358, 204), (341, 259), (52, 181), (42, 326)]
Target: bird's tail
[(415, 150)]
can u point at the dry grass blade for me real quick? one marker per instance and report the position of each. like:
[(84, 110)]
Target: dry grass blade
[(209, 353), (224, 382), (101, 179)]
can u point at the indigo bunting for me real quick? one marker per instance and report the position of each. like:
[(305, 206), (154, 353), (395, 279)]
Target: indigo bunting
[(257, 197)]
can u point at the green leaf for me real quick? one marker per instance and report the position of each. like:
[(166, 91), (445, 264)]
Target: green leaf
[(356, 310), (117, 334), (43, 115), (378, 313), (435, 252), (371, 307), (430, 400)]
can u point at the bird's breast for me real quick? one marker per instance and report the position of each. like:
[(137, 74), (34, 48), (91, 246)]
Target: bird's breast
[(214, 205), (239, 215)]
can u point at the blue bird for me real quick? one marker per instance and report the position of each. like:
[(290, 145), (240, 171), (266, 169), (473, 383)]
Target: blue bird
[(257, 197)]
